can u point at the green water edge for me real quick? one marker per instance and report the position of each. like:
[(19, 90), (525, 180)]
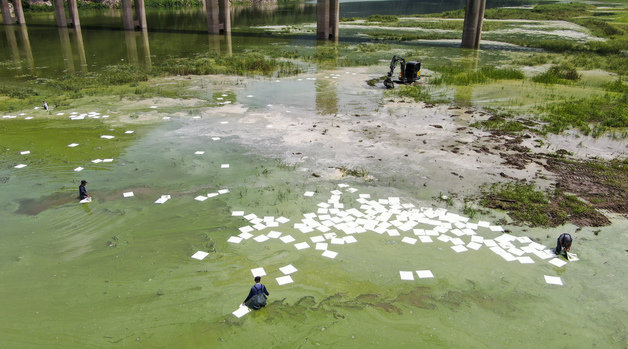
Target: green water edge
[(118, 271)]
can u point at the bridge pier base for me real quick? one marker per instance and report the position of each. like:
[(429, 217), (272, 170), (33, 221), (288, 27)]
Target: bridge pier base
[(327, 19), (7, 18), (62, 22), (218, 16), (74, 16), (472, 29)]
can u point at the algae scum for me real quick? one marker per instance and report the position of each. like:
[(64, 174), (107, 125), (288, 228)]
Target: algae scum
[(363, 192)]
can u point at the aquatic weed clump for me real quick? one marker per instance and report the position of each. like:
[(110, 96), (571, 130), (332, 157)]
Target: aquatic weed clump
[(458, 74), (594, 115), (527, 205), (248, 63), (558, 74)]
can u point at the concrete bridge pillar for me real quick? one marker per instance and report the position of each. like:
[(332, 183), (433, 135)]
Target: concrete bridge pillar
[(218, 16), (211, 7), (327, 19), (224, 15), (472, 29), (62, 22), (7, 18), (19, 12), (127, 15), (140, 13), (74, 16)]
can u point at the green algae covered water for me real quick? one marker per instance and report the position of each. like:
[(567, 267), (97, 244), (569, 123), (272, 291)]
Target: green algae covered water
[(118, 272)]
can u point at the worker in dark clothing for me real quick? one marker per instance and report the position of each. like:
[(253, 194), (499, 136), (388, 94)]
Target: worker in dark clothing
[(257, 295), (563, 244), (83, 191)]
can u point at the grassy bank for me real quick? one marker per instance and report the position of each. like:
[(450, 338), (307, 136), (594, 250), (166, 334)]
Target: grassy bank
[(130, 80), (528, 205)]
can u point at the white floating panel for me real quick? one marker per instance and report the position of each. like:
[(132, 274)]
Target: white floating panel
[(553, 280), (234, 239), (288, 269), (282, 280), (329, 254), (128, 194), (424, 274), (258, 272), (241, 311), (557, 262), (406, 275), (200, 255)]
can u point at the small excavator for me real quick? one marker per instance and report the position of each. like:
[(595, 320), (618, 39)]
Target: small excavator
[(410, 72)]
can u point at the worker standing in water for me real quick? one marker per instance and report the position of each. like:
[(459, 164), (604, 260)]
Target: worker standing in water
[(83, 194), (563, 244), (257, 296)]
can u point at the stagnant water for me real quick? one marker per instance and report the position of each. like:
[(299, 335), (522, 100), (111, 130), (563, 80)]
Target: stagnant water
[(118, 272)]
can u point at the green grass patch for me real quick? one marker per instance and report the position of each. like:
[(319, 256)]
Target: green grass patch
[(592, 116), (558, 74), (501, 124), (382, 18), (457, 74), (418, 93), (526, 204)]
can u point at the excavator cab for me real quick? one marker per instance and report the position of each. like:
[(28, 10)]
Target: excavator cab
[(410, 72)]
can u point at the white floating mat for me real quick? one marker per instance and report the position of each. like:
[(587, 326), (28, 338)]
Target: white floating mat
[(409, 240), (424, 274), (223, 191), (215, 138), (350, 239), (246, 236), (459, 248), (425, 239), (241, 311), (318, 238), (273, 234), (329, 254), (288, 269), (200, 198), (129, 132), (20, 166), (200, 255), (321, 246), (301, 245), (261, 238), (107, 160), (72, 145), (286, 239), (107, 137), (557, 262), (87, 200), (246, 229), (224, 166), (237, 213), (128, 194), (474, 245), (406, 275), (199, 152), (282, 280), (78, 169), (234, 239), (250, 216), (162, 199), (25, 152), (211, 195), (553, 280), (258, 272), (308, 193), (525, 260)]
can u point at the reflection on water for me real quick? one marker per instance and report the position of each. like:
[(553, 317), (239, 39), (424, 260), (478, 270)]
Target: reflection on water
[(66, 49)]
